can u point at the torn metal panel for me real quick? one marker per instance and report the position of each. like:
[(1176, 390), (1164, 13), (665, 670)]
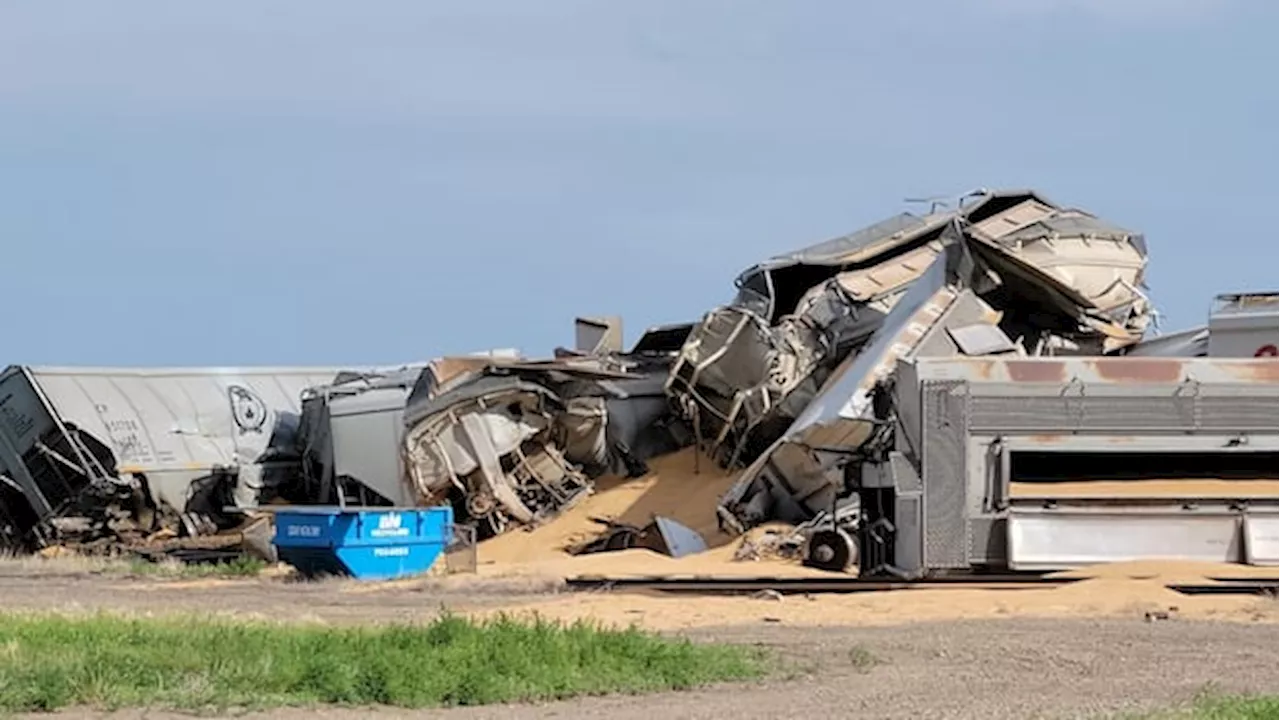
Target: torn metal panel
[(515, 443), (772, 289), (447, 372), (662, 340), (596, 336), (662, 535), (740, 379), (677, 540), (1185, 343), (350, 439), (186, 441), (1064, 282), (485, 446), (981, 339), (1070, 264), (796, 477)]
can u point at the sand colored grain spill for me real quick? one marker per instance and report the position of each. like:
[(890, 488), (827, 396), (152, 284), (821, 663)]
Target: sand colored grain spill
[(1129, 589), (645, 563), (671, 488), (1102, 597)]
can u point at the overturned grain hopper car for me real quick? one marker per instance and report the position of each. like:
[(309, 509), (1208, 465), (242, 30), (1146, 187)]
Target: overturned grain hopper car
[(98, 451), (942, 461), (506, 441), (1046, 463), (1052, 279), (349, 439)]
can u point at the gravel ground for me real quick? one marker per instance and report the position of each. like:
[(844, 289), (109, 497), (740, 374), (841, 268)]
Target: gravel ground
[(1005, 668), (336, 601), (977, 669)]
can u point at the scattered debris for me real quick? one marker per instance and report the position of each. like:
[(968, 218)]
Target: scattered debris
[(1061, 277), (663, 535), (1010, 251), (349, 439), (878, 392), (518, 442), (770, 544), (772, 595)]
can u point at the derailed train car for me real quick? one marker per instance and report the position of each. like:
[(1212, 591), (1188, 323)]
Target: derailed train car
[(936, 446), (1046, 463), (133, 450), (818, 404), (750, 368), (512, 444), (507, 441)]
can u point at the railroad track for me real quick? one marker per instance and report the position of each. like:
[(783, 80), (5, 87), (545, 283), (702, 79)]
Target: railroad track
[(840, 585), (794, 585)]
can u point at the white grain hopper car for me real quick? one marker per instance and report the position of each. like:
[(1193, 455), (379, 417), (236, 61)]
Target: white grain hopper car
[(184, 441), (1049, 463)]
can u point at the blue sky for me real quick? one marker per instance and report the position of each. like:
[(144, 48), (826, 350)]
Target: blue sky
[(319, 182)]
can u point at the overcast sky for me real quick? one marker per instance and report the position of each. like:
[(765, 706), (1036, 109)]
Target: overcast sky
[(324, 182)]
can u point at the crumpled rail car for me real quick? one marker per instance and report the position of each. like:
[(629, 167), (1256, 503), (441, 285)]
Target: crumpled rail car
[(137, 450), (951, 310), (514, 443), (349, 439), (750, 368)]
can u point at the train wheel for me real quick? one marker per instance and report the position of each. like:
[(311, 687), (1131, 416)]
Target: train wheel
[(831, 550)]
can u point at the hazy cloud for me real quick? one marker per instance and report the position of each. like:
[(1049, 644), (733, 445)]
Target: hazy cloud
[(1127, 11)]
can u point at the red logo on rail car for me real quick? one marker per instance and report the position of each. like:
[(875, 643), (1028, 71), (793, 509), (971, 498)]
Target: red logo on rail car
[(1267, 351)]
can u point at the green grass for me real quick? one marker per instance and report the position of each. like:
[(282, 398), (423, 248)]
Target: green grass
[(1213, 705), (129, 565), (239, 567), (1247, 707), (862, 659), (49, 662)]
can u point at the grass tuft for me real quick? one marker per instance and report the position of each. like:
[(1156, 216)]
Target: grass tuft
[(51, 662), (236, 568), (74, 563), (862, 659), (1211, 704)]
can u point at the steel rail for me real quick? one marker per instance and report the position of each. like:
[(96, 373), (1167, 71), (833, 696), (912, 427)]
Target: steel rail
[(841, 585), (799, 585)]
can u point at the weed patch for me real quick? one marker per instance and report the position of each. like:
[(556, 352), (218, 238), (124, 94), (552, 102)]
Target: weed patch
[(105, 661), (1213, 705)]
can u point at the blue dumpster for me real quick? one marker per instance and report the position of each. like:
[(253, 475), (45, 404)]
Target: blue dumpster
[(364, 543)]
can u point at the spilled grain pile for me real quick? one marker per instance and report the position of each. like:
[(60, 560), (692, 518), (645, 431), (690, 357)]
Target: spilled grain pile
[(671, 488)]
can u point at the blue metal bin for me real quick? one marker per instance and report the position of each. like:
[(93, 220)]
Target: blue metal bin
[(364, 543)]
